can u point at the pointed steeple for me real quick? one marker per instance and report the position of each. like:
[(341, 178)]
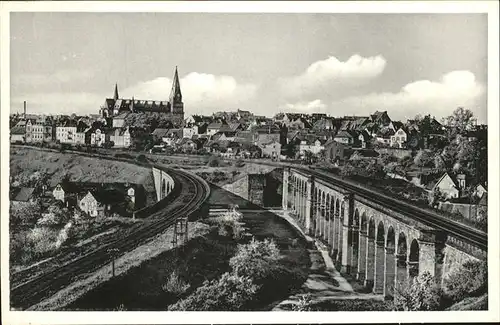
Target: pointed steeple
[(115, 95), (175, 93)]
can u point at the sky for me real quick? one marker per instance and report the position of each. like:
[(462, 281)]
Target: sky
[(339, 64)]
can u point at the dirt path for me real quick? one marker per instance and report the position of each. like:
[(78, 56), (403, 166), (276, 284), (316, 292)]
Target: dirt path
[(324, 281)]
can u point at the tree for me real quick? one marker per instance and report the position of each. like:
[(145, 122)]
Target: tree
[(421, 294), (256, 259), (230, 293), (468, 280), (460, 121), (423, 159), (374, 170)]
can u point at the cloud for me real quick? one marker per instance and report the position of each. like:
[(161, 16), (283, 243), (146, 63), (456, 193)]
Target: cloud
[(315, 106), (202, 92), (322, 76), (438, 98)]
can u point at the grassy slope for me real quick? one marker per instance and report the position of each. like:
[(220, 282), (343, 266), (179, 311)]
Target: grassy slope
[(26, 161)]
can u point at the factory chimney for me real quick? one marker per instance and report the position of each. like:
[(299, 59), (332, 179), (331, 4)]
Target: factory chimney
[(24, 115)]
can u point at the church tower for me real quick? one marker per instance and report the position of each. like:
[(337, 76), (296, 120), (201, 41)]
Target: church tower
[(115, 95), (175, 99)]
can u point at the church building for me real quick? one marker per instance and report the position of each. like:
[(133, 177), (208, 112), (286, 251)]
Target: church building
[(172, 109)]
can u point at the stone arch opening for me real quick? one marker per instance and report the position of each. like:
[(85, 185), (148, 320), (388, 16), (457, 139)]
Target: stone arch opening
[(401, 258), (354, 240), (163, 188), (413, 259), (379, 259), (370, 254), (363, 228), (390, 265)]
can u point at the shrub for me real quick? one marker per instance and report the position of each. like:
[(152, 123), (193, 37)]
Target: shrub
[(230, 292), (421, 294), (470, 279), (213, 161), (175, 284), (256, 259), (229, 225)]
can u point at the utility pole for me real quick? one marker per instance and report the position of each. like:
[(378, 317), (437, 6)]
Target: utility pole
[(114, 252)]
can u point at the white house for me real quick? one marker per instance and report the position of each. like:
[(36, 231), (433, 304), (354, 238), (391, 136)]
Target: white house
[(66, 133), (449, 187), (399, 138), (97, 138)]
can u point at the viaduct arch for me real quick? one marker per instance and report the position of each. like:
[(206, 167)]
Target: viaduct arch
[(377, 245)]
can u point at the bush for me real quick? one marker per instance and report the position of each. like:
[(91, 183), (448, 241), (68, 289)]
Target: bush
[(256, 259), (469, 280), (213, 161), (304, 303), (175, 284), (230, 292), (229, 225), (421, 294)]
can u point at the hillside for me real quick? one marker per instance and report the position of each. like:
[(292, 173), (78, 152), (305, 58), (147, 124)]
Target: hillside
[(25, 161)]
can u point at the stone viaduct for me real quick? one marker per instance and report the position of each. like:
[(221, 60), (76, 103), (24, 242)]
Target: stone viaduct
[(164, 183), (374, 244)]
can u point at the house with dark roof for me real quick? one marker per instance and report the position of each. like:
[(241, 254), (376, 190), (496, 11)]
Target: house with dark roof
[(335, 151), (18, 134), (381, 118), (345, 137), (22, 195)]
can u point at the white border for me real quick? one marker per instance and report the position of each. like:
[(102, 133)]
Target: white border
[(490, 7)]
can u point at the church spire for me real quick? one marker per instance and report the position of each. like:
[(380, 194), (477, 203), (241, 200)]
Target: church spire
[(175, 93), (115, 95)]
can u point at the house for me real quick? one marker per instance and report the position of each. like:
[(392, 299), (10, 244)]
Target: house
[(381, 118), (271, 149), (399, 139), (364, 139), (159, 134), (119, 120), (187, 145), (383, 136), (189, 132), (120, 137), (324, 123), (213, 128), (299, 123), (97, 137), (22, 195), (92, 206), (450, 187), (34, 130), (17, 134), (344, 137), (312, 144), (480, 190), (334, 150), (66, 132)]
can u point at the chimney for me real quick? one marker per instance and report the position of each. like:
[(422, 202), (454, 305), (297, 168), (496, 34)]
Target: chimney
[(461, 181), (24, 115)]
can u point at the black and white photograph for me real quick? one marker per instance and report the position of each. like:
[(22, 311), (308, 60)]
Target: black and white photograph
[(298, 160)]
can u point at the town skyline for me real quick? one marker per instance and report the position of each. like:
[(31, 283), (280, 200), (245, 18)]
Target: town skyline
[(342, 70)]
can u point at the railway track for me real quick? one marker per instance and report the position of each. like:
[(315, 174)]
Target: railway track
[(463, 232), (432, 219), (192, 192)]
